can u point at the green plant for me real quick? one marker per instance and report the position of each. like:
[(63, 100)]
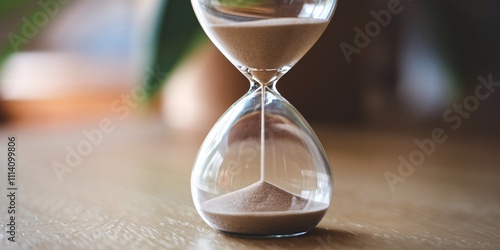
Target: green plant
[(178, 32)]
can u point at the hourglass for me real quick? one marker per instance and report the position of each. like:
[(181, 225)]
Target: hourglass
[(261, 171)]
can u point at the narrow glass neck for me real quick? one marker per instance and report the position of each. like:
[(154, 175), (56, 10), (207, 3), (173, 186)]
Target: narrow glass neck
[(256, 86), (265, 77)]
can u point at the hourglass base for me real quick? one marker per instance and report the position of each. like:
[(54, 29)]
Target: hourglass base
[(263, 210), (263, 236), (266, 225)]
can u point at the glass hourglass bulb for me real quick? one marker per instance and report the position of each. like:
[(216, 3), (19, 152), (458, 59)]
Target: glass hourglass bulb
[(261, 171)]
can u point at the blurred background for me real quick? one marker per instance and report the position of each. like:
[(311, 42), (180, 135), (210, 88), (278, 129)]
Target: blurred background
[(64, 63), (145, 71)]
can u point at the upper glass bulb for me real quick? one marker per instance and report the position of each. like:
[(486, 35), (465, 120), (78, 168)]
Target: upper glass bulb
[(264, 37)]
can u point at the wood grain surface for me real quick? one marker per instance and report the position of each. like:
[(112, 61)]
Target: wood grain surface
[(132, 191)]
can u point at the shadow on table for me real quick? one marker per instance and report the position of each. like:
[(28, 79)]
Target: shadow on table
[(317, 239)]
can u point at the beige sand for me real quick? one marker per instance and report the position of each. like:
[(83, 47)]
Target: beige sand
[(263, 209), (267, 44)]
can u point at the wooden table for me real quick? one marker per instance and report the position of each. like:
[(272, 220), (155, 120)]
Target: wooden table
[(132, 191)]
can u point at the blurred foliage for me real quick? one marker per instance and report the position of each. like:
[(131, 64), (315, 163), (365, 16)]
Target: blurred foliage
[(7, 6), (467, 35), (11, 20), (178, 32)]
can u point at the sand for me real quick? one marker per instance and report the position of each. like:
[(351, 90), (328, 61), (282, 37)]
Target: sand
[(262, 209), (267, 44)]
